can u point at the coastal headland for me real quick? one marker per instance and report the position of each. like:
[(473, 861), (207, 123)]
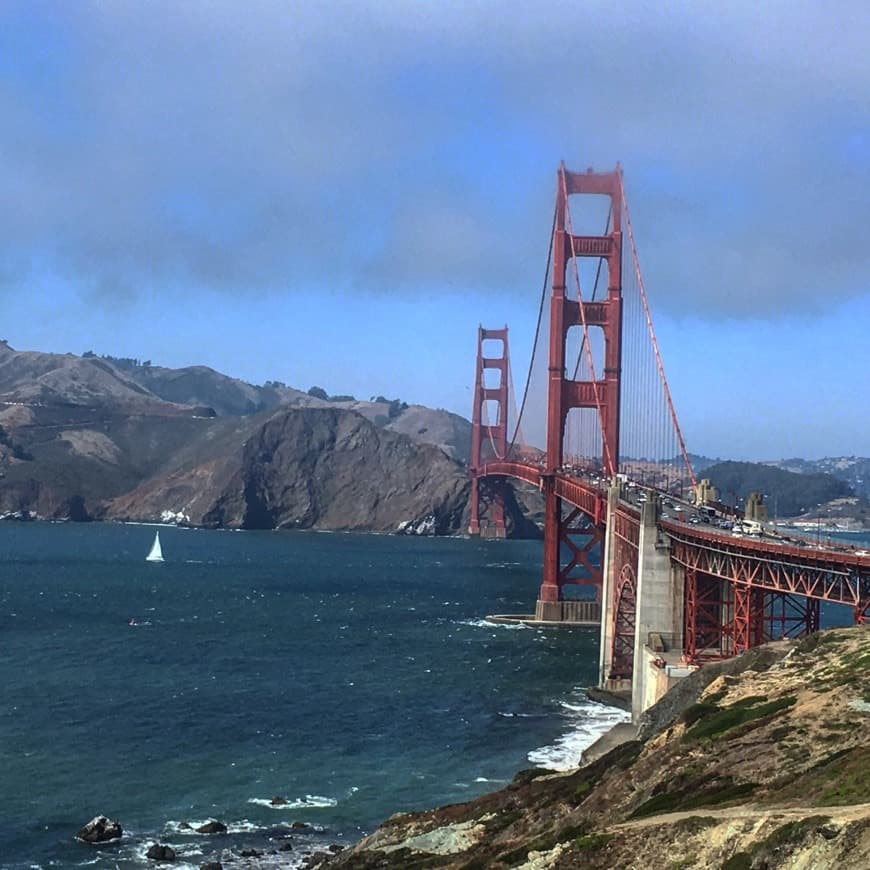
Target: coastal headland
[(759, 761)]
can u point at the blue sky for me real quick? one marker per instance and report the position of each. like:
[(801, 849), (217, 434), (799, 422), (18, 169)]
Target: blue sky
[(337, 194)]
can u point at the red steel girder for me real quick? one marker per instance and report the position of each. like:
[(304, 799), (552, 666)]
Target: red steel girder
[(623, 625), (775, 568), (707, 635), (579, 537)]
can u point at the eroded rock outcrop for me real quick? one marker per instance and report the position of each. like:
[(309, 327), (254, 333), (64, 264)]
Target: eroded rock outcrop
[(100, 829), (319, 468), (160, 852)]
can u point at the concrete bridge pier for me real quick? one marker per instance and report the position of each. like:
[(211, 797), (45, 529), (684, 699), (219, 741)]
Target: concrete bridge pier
[(659, 617), (658, 613)]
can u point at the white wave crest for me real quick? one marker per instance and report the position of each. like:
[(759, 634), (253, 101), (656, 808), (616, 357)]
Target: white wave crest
[(588, 720), (485, 623), (310, 801)]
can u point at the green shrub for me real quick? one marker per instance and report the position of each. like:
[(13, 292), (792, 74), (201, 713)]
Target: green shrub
[(692, 796), (692, 714), (738, 861), (582, 790), (726, 718), (531, 773), (593, 841)]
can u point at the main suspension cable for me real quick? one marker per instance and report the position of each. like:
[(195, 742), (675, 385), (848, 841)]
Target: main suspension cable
[(537, 332)]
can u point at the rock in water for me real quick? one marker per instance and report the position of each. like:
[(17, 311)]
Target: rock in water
[(212, 827), (100, 829), (211, 865), (159, 852)]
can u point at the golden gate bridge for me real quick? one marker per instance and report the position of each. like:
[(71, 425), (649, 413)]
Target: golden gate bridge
[(660, 585)]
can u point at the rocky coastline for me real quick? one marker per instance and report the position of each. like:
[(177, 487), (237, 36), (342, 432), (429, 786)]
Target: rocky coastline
[(756, 762), (213, 845)]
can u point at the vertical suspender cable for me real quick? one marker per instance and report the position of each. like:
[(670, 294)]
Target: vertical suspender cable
[(655, 345)]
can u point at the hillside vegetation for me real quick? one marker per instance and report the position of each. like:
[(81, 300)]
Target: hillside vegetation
[(788, 493), (854, 470), (757, 763)]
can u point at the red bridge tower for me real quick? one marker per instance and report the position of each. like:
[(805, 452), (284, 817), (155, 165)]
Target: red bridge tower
[(575, 534), (489, 437)]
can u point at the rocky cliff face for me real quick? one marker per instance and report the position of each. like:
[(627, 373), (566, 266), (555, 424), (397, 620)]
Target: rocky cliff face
[(762, 763), (104, 438), (320, 468)]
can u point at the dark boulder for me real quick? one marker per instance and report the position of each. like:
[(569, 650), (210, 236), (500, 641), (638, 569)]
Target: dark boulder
[(211, 865), (212, 827), (278, 801), (250, 853), (100, 829), (285, 847), (159, 852)]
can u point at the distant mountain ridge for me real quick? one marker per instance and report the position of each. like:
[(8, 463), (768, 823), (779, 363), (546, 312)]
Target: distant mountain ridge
[(34, 378), (88, 437)]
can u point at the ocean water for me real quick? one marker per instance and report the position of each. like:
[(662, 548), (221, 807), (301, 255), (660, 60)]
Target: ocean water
[(351, 675)]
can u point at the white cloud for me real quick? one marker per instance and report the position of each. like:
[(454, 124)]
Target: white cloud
[(271, 144)]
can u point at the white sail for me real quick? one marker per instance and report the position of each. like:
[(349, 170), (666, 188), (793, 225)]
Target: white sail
[(155, 554)]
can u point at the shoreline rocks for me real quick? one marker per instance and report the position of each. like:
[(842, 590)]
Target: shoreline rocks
[(159, 852), (212, 827), (100, 829)]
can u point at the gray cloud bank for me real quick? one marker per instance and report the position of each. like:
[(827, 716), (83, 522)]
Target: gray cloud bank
[(402, 147)]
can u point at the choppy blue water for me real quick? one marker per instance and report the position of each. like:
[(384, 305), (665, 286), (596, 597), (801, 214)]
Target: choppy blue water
[(349, 674)]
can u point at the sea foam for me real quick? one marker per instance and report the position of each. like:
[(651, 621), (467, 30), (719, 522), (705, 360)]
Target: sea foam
[(485, 623), (310, 801), (587, 721)]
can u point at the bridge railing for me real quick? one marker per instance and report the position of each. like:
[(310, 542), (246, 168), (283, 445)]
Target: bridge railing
[(590, 499), (844, 559)]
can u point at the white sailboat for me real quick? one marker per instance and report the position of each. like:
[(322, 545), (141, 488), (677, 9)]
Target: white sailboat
[(155, 554)]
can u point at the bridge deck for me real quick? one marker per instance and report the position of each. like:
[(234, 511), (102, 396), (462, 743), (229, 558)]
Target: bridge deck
[(791, 556)]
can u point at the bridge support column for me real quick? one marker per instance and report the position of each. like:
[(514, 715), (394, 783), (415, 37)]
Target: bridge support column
[(549, 605), (659, 610), (609, 573), (573, 549)]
